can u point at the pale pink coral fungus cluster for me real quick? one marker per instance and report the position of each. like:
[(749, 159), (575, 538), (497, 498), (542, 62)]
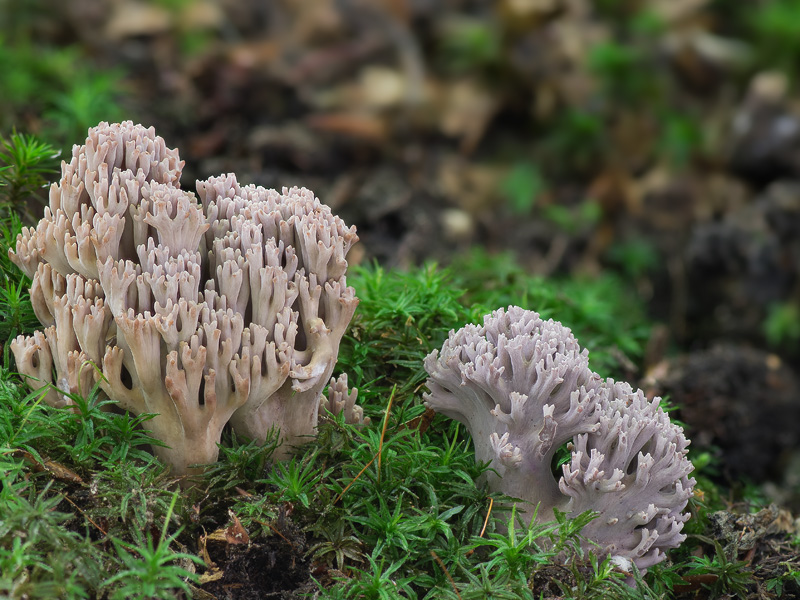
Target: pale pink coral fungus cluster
[(523, 387), (223, 307), (229, 306)]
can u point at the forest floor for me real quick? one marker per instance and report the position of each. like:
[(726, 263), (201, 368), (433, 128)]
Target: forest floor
[(657, 140)]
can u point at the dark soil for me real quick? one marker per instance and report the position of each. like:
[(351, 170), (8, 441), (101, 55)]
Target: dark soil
[(740, 404), (272, 568), (763, 541)]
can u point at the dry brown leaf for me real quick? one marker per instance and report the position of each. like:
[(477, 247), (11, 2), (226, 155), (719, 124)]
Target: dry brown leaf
[(236, 533), (527, 8), (420, 423), (214, 574), (473, 187), (253, 55), (58, 471), (615, 191), (363, 126), (61, 472), (200, 594), (131, 19), (201, 14), (467, 110), (218, 535), (202, 550), (312, 22), (673, 11)]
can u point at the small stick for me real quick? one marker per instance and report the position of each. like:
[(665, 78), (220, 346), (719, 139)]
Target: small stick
[(488, 514), (85, 516), (485, 522), (380, 449), (446, 572), (275, 529), (383, 431), (355, 479)]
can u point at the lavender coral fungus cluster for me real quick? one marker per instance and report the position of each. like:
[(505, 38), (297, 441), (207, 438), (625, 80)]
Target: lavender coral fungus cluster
[(523, 387), (225, 306)]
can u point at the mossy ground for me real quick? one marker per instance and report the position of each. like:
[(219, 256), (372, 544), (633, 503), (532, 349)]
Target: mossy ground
[(392, 510)]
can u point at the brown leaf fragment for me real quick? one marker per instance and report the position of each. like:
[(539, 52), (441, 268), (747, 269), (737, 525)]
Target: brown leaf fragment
[(253, 55), (214, 574), (469, 108), (236, 533), (218, 535), (58, 471), (320, 64), (61, 472), (199, 594), (202, 550), (201, 14), (420, 423), (131, 19), (362, 126), (694, 583)]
